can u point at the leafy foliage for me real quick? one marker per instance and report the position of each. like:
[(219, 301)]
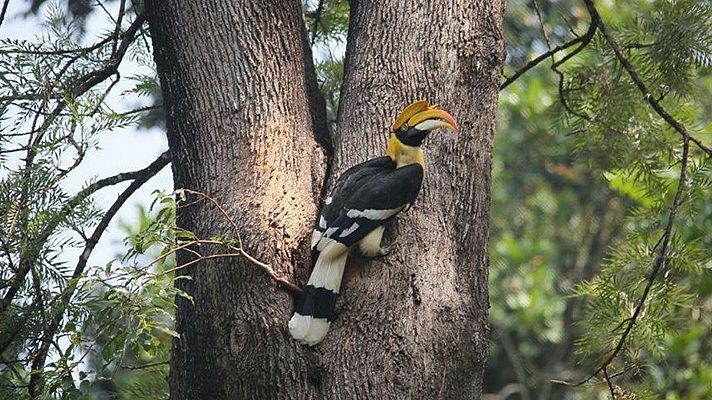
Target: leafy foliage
[(607, 201), (54, 310)]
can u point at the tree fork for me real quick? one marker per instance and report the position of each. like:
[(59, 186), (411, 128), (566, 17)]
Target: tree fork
[(242, 126)]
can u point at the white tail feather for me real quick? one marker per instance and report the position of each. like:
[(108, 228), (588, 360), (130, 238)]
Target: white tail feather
[(327, 273), (329, 267), (299, 325), (317, 331)]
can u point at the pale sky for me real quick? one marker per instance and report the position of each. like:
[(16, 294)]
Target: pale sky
[(121, 150)]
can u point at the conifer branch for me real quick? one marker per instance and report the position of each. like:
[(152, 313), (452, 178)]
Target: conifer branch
[(660, 259), (633, 73), (663, 243), (582, 41), (82, 85), (28, 257)]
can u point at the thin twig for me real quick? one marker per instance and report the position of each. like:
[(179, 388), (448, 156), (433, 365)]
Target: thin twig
[(117, 30), (139, 110), (609, 383), (583, 41), (201, 258), (4, 10), (543, 27), (533, 63), (150, 365), (8, 254), (239, 250), (221, 209), (59, 52), (625, 370)]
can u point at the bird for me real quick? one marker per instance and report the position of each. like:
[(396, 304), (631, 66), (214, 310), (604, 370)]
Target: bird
[(355, 212)]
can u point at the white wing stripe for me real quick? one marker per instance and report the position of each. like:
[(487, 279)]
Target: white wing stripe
[(349, 231), (373, 214), (316, 236)]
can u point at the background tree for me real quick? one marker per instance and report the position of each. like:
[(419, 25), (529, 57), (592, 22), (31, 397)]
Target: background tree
[(580, 189)]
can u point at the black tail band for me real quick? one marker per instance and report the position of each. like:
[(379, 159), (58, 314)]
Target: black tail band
[(318, 302)]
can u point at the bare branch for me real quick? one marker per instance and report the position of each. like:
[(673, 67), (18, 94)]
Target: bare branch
[(221, 209)]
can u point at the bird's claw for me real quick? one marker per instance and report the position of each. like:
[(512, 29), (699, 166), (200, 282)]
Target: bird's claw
[(385, 250)]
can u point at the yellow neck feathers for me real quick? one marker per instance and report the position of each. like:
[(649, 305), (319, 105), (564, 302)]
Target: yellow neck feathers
[(403, 154)]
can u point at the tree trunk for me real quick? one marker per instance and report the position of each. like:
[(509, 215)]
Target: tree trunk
[(241, 125), (414, 324), (240, 130)]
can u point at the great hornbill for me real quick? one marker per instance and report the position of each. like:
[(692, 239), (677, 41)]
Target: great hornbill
[(364, 198)]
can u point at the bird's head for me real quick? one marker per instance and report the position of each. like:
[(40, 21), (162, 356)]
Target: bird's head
[(412, 126), (416, 121)]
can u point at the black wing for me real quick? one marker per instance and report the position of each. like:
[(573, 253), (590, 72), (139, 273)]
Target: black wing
[(350, 180), (365, 197)]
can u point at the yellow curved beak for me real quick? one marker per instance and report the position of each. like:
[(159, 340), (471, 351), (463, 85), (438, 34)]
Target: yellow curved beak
[(445, 119), (420, 111)]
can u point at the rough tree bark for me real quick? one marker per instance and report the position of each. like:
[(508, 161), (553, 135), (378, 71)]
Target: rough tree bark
[(414, 325), (238, 83), (240, 130)]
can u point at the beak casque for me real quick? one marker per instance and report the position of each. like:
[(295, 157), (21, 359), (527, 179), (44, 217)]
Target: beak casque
[(420, 111), (408, 112)]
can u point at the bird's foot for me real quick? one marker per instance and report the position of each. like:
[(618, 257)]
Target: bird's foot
[(385, 250)]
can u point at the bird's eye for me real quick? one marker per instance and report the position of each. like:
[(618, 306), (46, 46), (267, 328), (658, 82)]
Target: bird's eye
[(404, 128)]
